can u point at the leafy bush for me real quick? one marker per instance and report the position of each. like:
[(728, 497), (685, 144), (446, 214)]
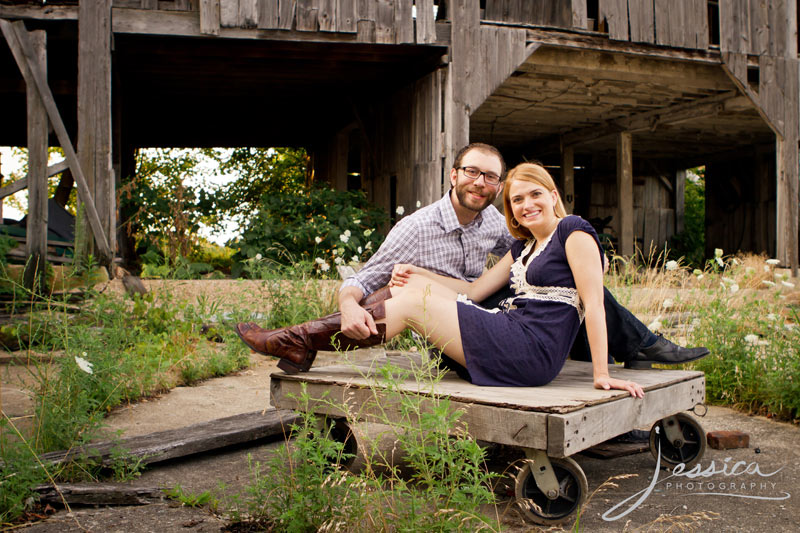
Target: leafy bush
[(691, 242), (320, 224)]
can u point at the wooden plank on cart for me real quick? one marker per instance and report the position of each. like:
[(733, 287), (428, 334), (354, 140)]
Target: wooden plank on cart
[(573, 432), (516, 416)]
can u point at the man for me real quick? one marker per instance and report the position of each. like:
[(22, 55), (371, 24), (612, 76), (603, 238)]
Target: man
[(454, 236)]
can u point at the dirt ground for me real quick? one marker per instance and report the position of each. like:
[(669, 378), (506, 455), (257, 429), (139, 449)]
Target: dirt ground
[(773, 446)]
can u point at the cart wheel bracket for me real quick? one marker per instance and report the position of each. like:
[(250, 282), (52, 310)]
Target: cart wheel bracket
[(542, 472)]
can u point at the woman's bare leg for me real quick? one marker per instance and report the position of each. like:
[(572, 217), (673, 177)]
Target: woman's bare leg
[(428, 310)]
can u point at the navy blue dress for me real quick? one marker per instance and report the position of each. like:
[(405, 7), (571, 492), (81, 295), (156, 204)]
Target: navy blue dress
[(526, 343)]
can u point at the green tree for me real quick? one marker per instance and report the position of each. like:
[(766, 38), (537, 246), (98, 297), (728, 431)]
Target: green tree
[(691, 242)]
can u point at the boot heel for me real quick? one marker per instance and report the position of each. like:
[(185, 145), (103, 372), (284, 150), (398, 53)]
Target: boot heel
[(292, 368)]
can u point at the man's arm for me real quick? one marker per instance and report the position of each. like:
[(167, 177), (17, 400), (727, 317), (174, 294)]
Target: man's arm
[(400, 246)]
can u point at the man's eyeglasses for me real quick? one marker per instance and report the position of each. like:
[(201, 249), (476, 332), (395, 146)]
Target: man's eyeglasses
[(474, 173)]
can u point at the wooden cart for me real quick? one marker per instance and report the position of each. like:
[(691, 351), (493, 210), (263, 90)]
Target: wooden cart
[(549, 423)]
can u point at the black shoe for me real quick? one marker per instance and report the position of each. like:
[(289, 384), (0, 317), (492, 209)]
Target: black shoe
[(664, 352)]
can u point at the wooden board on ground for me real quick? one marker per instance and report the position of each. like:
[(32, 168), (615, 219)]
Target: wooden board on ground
[(197, 438), (564, 417), (98, 494)]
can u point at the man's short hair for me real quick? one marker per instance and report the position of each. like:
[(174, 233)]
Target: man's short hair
[(483, 147)]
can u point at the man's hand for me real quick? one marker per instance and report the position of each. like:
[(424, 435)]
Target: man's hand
[(357, 323)]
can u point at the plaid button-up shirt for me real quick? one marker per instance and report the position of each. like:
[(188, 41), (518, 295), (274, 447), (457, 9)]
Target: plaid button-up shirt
[(432, 238)]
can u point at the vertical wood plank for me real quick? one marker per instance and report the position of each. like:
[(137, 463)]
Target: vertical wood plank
[(615, 13), (307, 15), (791, 30), (495, 10), (465, 21), (36, 243), (228, 13), (661, 15), (426, 24), (384, 21), (248, 14), (625, 193), (759, 30), (327, 15), (676, 24), (286, 13), (403, 21), (149, 4), (94, 114), (346, 16), (703, 28), (679, 199), (568, 177), (579, 15), (642, 21), (268, 17), (776, 13), (209, 17), (365, 12)]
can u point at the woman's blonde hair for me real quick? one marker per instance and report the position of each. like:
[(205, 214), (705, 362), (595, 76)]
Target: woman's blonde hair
[(533, 173)]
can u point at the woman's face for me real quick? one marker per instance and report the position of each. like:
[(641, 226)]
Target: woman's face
[(532, 205)]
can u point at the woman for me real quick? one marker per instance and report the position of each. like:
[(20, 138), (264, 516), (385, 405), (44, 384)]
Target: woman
[(555, 270)]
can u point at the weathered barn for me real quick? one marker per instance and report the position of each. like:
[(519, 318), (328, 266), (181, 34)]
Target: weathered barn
[(618, 97)]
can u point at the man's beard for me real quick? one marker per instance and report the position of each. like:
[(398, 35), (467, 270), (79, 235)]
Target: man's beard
[(470, 203)]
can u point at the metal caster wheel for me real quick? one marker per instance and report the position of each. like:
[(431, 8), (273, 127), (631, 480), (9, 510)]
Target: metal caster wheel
[(682, 440), (571, 494)]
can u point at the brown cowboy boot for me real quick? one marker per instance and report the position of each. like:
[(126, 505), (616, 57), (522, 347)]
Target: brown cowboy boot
[(297, 346), (384, 293)]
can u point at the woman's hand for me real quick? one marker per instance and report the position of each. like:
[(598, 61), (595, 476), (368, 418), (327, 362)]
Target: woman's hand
[(401, 272), (608, 383)]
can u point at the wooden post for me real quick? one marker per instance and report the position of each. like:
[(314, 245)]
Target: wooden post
[(568, 177), (679, 190), (36, 232), (94, 118), (465, 17), (625, 193)]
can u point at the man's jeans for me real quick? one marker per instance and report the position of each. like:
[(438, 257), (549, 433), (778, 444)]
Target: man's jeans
[(626, 333)]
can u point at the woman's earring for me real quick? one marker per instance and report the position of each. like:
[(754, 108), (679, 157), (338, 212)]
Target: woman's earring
[(514, 223)]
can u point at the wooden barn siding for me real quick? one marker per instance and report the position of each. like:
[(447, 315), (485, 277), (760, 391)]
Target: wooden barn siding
[(375, 21)]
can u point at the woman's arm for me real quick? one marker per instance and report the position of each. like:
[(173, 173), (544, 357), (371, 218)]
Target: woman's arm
[(587, 269), (490, 281)]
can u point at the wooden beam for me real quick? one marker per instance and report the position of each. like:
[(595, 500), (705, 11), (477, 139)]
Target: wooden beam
[(209, 17), (680, 202), (650, 120), (16, 36), (21, 184), (625, 194), (98, 494), (94, 120), (190, 440), (732, 66), (568, 177), (36, 223)]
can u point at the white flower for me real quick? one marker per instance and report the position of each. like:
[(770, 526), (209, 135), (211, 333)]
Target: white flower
[(368, 232), (787, 283), (734, 288), (360, 250), (400, 210), (84, 365), (773, 262), (357, 221), (341, 250), (338, 260), (751, 338), (258, 257), (672, 265), (700, 276), (766, 268), (667, 303), (344, 238), (335, 251), (317, 240), (419, 204), (768, 283), (324, 266), (354, 259), (368, 246), (771, 316), (728, 280), (319, 260), (735, 261), (719, 261), (717, 252), (347, 232), (788, 326)]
